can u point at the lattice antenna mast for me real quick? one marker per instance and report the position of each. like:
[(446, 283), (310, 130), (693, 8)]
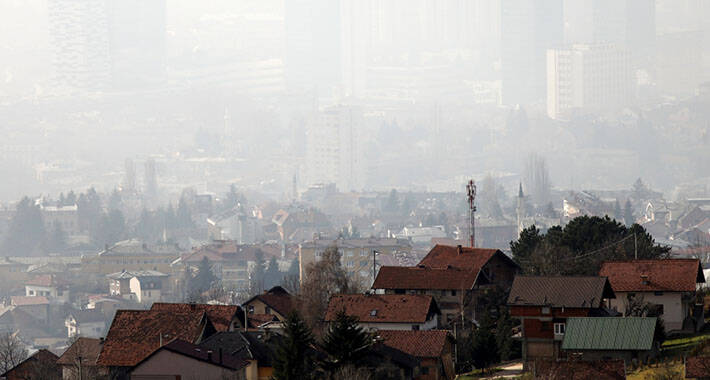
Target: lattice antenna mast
[(471, 190)]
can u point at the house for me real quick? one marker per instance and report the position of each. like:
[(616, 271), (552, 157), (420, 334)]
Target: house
[(85, 323), (234, 225), (48, 285), (628, 339), (12, 271), (579, 370), (64, 217), (36, 306), (433, 348), (387, 311), (357, 255), (40, 366), (257, 348), (667, 285), (135, 334), (454, 276), (132, 255), (543, 305), (275, 302), (140, 286), (223, 317), (697, 367), (180, 359), (81, 357)]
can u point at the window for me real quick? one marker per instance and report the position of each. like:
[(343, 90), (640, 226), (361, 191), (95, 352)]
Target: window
[(559, 329), (453, 293), (396, 291), (32, 292), (657, 293), (415, 327), (251, 309), (545, 310), (545, 326), (267, 310)]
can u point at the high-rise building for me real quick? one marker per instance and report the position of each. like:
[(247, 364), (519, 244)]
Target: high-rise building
[(528, 29), (586, 78), (333, 152), (80, 41)]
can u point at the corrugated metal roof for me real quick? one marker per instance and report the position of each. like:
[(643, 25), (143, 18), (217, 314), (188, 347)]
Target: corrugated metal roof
[(560, 291), (630, 333)]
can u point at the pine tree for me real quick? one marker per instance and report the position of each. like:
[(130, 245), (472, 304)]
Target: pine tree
[(204, 279), (26, 232), (345, 343), (293, 359), (485, 348), (507, 347), (256, 280)]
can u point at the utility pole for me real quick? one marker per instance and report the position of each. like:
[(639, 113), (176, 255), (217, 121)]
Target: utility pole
[(471, 191)]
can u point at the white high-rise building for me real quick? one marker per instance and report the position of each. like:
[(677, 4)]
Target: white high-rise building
[(587, 78), (332, 148)]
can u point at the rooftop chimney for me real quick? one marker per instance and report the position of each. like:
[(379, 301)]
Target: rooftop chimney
[(459, 248)]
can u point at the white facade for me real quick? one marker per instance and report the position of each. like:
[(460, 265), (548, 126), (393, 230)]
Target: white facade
[(84, 329), (143, 291), (428, 325), (584, 78), (53, 293), (333, 151), (674, 309)]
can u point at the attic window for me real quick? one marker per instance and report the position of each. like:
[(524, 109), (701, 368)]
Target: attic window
[(373, 313)]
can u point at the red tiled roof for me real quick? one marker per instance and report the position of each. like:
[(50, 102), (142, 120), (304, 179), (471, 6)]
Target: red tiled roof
[(383, 308), (424, 278), (673, 275), (421, 344), (444, 256), (443, 268), (29, 300), (697, 367), (135, 334), (220, 315), (88, 348), (45, 280), (580, 370), (277, 298)]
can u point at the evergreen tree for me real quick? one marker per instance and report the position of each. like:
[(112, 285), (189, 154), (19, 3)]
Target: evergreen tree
[(88, 210), (508, 348), (346, 343), (485, 349), (204, 279), (70, 199), (183, 215), (293, 357), (26, 233), (628, 214), (272, 276), (111, 229)]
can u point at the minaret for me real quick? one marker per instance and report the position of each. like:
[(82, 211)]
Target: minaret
[(520, 208)]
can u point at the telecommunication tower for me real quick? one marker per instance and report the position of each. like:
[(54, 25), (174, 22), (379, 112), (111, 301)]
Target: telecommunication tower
[(471, 190)]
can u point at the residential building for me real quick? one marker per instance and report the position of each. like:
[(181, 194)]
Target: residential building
[(85, 323), (587, 79), (132, 255), (11, 270), (143, 286), (180, 359), (81, 357), (579, 370), (223, 317), (64, 217), (433, 349), (356, 255), (36, 306), (41, 365), (256, 348), (47, 285), (667, 285), (454, 276), (235, 225), (276, 302), (543, 305), (421, 235), (627, 338), (135, 334), (387, 311)]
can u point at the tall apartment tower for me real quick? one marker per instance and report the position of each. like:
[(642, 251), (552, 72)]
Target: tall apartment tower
[(528, 29), (587, 78), (333, 152)]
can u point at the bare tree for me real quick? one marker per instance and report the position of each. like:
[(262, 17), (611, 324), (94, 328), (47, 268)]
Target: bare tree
[(323, 279), (12, 351)]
